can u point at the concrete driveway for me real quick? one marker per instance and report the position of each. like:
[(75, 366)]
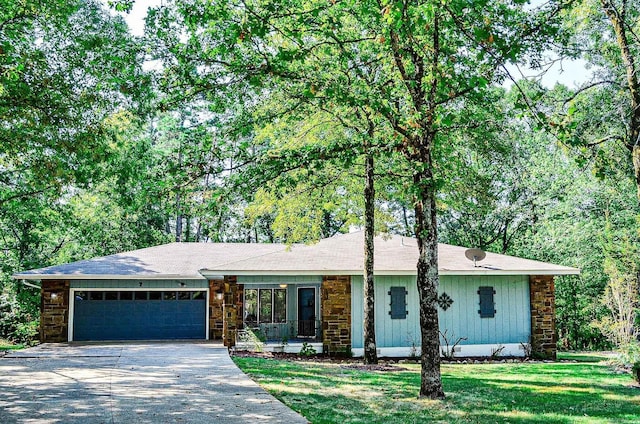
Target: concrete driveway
[(132, 383)]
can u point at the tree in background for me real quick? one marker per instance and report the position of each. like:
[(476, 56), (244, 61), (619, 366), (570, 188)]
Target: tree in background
[(65, 68), (621, 297)]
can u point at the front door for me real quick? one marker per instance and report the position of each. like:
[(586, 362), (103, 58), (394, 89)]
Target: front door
[(307, 312)]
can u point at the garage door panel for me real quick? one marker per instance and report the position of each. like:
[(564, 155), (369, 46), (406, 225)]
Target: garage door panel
[(171, 317)]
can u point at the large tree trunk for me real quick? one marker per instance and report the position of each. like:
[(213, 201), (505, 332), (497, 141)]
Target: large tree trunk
[(178, 218), (617, 18), (635, 154), (428, 280), (370, 353)]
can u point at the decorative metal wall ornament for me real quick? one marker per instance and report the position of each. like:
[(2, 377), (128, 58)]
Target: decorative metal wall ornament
[(445, 301)]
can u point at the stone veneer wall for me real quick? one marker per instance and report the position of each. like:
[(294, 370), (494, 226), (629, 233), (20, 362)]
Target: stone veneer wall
[(543, 318), (215, 309), (336, 314), (54, 307), (225, 315)]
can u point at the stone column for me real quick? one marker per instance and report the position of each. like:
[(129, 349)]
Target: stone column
[(543, 318), (336, 314), (216, 290), (54, 307), (225, 309), (230, 311)]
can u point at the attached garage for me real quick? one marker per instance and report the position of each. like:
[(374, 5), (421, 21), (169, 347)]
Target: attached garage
[(138, 314)]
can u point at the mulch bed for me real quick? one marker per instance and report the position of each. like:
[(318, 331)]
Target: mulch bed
[(346, 363), (385, 364), (290, 356)]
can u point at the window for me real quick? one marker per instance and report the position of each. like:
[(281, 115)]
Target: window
[(398, 303), (265, 313), (251, 306), (140, 295), (487, 305), (265, 305), (96, 295), (279, 305), (111, 295)]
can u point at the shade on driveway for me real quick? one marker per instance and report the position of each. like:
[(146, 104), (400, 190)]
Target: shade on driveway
[(132, 383)]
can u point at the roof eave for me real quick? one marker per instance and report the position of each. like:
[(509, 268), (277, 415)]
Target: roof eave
[(38, 277), (221, 273)]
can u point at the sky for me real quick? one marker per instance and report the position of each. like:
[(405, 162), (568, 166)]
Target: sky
[(570, 72)]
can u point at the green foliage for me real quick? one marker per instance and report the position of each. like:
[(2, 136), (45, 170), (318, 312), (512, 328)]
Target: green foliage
[(307, 350), (255, 338), (620, 297), (635, 371), (629, 353), (18, 321)]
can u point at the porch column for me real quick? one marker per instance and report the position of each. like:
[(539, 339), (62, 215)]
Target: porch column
[(336, 314), (225, 309), (54, 311), (216, 302), (543, 320)]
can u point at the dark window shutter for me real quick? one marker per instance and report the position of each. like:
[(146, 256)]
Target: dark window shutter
[(398, 303), (487, 305)]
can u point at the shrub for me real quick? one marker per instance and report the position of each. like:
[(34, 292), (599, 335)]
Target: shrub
[(635, 371), (307, 350), (16, 324), (629, 353)]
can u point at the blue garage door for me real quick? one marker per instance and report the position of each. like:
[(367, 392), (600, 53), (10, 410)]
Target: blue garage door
[(139, 315)]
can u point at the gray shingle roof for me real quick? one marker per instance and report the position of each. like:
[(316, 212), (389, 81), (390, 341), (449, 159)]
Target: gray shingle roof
[(342, 254)]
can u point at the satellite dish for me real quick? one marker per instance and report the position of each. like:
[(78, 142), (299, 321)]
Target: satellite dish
[(475, 255)]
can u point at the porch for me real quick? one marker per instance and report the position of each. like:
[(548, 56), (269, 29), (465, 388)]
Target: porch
[(290, 336), (287, 331)]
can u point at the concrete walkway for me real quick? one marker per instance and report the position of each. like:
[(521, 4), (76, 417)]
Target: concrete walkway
[(132, 383)]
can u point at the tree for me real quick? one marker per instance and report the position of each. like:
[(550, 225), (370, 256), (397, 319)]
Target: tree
[(64, 67), (606, 35), (411, 64), (620, 297)]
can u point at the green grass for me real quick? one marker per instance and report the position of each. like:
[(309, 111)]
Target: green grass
[(562, 392), (6, 345), (585, 356)]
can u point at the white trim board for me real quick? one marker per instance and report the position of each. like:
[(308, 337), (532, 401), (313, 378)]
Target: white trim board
[(462, 351)]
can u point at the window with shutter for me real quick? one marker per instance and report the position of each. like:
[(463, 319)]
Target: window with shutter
[(487, 305), (398, 303)]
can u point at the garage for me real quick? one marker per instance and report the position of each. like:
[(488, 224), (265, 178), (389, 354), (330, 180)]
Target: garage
[(138, 314)]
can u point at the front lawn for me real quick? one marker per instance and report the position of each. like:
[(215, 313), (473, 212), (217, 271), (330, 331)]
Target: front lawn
[(560, 392)]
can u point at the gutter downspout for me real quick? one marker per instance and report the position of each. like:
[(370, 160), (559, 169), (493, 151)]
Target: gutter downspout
[(35, 286)]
